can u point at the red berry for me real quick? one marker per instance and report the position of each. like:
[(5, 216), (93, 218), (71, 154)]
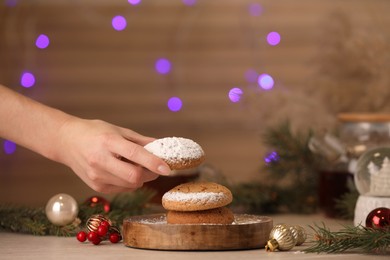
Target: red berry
[(96, 241), (81, 236), (102, 231), (115, 237), (92, 236), (105, 223)]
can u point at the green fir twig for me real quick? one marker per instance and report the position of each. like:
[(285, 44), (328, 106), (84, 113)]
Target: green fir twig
[(21, 219), (366, 240)]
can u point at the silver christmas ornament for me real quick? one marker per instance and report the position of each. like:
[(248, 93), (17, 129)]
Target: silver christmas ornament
[(61, 209), (280, 238), (299, 234)]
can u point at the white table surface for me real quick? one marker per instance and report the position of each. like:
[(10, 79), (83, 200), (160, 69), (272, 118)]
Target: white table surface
[(21, 246)]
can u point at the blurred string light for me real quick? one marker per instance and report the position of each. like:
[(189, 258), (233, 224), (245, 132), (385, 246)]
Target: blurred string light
[(265, 81), (9, 147), (175, 104), (273, 38), (163, 66), (11, 3), (272, 157), (119, 23), (42, 41), (27, 79), (255, 9), (251, 76), (189, 2), (134, 2), (235, 94)]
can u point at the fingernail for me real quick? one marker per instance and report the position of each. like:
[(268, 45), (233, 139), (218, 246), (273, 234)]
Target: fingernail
[(164, 170)]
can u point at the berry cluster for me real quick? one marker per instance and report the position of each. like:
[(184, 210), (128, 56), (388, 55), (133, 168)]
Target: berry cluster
[(104, 231)]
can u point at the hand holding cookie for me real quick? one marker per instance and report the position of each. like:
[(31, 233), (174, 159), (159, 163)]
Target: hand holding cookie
[(179, 153)]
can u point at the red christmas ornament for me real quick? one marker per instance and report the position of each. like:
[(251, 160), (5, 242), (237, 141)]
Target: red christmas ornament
[(378, 218), (96, 200), (95, 221), (81, 236)]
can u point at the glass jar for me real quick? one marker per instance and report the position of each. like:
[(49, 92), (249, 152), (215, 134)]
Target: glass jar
[(360, 132)]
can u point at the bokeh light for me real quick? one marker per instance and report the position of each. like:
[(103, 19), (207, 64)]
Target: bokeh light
[(27, 80), (189, 2), (9, 147), (255, 9), (251, 76), (273, 38), (235, 94), (134, 2), (272, 157), (265, 81), (11, 3), (119, 23), (163, 66), (42, 41), (175, 104)]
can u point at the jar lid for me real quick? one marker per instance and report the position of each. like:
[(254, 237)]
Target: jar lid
[(363, 117)]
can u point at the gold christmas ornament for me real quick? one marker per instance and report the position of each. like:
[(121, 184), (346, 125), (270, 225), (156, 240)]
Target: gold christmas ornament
[(61, 209), (95, 220), (299, 234), (280, 238)]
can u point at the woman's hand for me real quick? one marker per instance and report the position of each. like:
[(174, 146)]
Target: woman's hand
[(106, 157)]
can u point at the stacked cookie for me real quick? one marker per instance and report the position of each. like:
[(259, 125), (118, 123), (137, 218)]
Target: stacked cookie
[(178, 152), (198, 203)]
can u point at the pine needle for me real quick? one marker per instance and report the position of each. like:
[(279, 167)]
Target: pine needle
[(367, 240), (21, 219)]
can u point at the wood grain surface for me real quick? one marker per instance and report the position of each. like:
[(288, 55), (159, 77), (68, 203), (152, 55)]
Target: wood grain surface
[(152, 232), (92, 71)]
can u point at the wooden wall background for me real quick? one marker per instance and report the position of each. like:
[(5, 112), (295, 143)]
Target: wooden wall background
[(93, 71)]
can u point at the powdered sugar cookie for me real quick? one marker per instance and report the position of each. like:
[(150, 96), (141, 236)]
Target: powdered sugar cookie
[(196, 196), (221, 215), (178, 152)]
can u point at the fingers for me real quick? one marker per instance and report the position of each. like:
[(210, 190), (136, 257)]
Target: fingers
[(136, 137), (138, 155), (125, 174)]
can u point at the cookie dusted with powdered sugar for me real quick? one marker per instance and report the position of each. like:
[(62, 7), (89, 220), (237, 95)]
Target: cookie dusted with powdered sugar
[(178, 152), (221, 215), (196, 196)]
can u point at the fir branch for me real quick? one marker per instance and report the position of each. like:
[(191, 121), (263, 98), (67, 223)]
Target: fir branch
[(294, 154), (21, 219), (295, 162), (367, 240), (345, 205), (31, 221), (129, 204)]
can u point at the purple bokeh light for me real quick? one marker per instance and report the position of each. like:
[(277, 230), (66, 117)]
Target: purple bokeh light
[(9, 147), (272, 157), (235, 94), (42, 41), (119, 23), (273, 38), (251, 76), (134, 2), (265, 81), (255, 9), (11, 3), (175, 104), (27, 80), (163, 66), (189, 2)]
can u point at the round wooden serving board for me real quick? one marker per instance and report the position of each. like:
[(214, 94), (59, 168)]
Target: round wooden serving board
[(153, 232)]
